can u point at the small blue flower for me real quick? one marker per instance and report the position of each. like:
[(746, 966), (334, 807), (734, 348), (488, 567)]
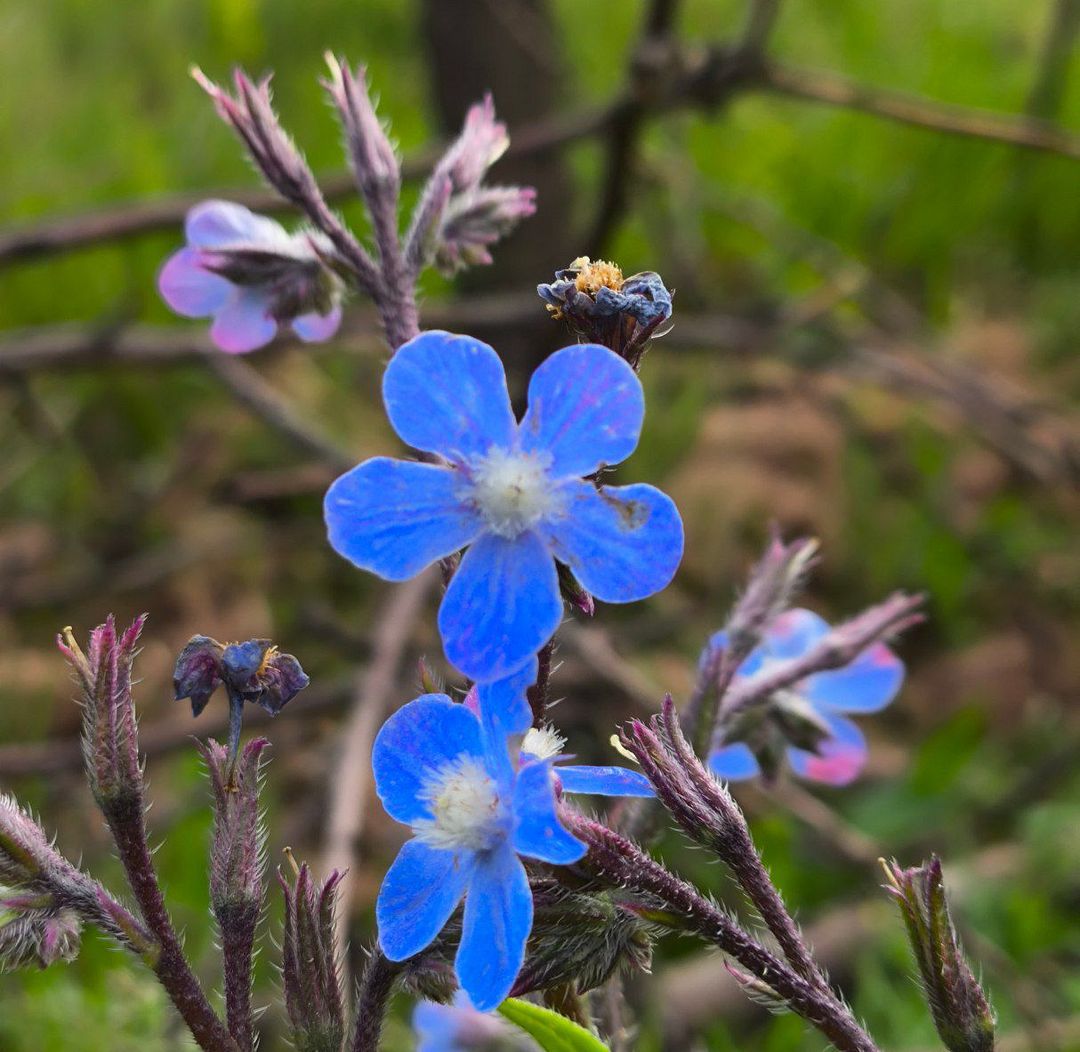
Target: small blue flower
[(472, 815), (866, 685), (249, 274), (513, 493), (461, 1028)]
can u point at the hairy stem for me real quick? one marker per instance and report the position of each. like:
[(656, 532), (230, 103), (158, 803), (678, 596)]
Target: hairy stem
[(127, 824), (372, 1000), (617, 859)]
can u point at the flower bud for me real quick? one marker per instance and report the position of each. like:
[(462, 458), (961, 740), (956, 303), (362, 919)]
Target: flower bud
[(25, 851), (602, 306), (38, 937), (475, 220), (309, 970), (960, 1010), (110, 733)]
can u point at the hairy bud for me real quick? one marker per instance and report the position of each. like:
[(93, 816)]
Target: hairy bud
[(961, 1012), (309, 969), (37, 937), (110, 733)]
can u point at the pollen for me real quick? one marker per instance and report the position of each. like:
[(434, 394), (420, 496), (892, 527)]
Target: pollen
[(512, 491), (594, 276), (465, 806)]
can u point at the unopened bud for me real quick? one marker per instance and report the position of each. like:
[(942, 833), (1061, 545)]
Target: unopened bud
[(309, 970), (961, 1012), (39, 938), (110, 733), (475, 220)]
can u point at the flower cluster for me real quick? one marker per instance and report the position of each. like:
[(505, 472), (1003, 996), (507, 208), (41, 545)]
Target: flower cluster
[(444, 769), (805, 720), (513, 493)]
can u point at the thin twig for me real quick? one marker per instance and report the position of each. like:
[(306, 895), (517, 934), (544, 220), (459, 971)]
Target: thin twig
[(834, 89), (252, 391), (350, 776)]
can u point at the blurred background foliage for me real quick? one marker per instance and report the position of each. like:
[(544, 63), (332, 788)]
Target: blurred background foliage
[(875, 342)]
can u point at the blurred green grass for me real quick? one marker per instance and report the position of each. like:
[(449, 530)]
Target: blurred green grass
[(100, 109)]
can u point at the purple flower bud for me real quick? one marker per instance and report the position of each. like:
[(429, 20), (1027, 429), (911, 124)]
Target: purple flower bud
[(110, 734), (39, 938), (482, 142), (309, 969), (25, 850), (477, 219), (601, 306), (962, 1014), (373, 158)]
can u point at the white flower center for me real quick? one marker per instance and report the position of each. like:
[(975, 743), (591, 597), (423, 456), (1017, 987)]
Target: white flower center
[(512, 490), (465, 803), (543, 742)]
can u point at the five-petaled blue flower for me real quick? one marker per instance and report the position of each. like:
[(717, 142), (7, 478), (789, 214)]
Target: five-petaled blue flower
[(866, 685), (513, 493), (446, 770)]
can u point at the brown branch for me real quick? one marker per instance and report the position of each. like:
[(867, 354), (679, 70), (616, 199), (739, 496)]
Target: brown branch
[(253, 392), (350, 776), (122, 222), (833, 89)]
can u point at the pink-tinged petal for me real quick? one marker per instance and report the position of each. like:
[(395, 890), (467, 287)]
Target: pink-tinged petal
[(733, 762), (215, 224), (793, 633), (244, 323), (314, 328), (868, 684), (839, 758), (189, 288), (586, 407)]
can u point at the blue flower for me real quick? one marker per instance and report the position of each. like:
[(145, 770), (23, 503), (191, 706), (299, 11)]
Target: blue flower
[(249, 274), (460, 1028), (472, 814), (513, 493), (866, 685)]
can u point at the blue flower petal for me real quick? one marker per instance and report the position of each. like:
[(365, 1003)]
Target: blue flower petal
[(733, 762), (868, 684), (421, 736), (839, 758), (586, 407), (505, 711), (538, 832), (419, 893), (244, 323), (498, 918), (394, 517), (603, 781), (622, 542), (447, 394), (794, 632), (217, 224), (436, 1027), (189, 288), (314, 327), (501, 607), (751, 663)]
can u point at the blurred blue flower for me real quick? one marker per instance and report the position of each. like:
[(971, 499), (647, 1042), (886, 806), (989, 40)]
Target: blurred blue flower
[(472, 814), (514, 493), (249, 274), (866, 685), (459, 1027)]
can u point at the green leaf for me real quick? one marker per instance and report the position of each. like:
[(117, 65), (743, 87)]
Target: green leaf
[(551, 1031)]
